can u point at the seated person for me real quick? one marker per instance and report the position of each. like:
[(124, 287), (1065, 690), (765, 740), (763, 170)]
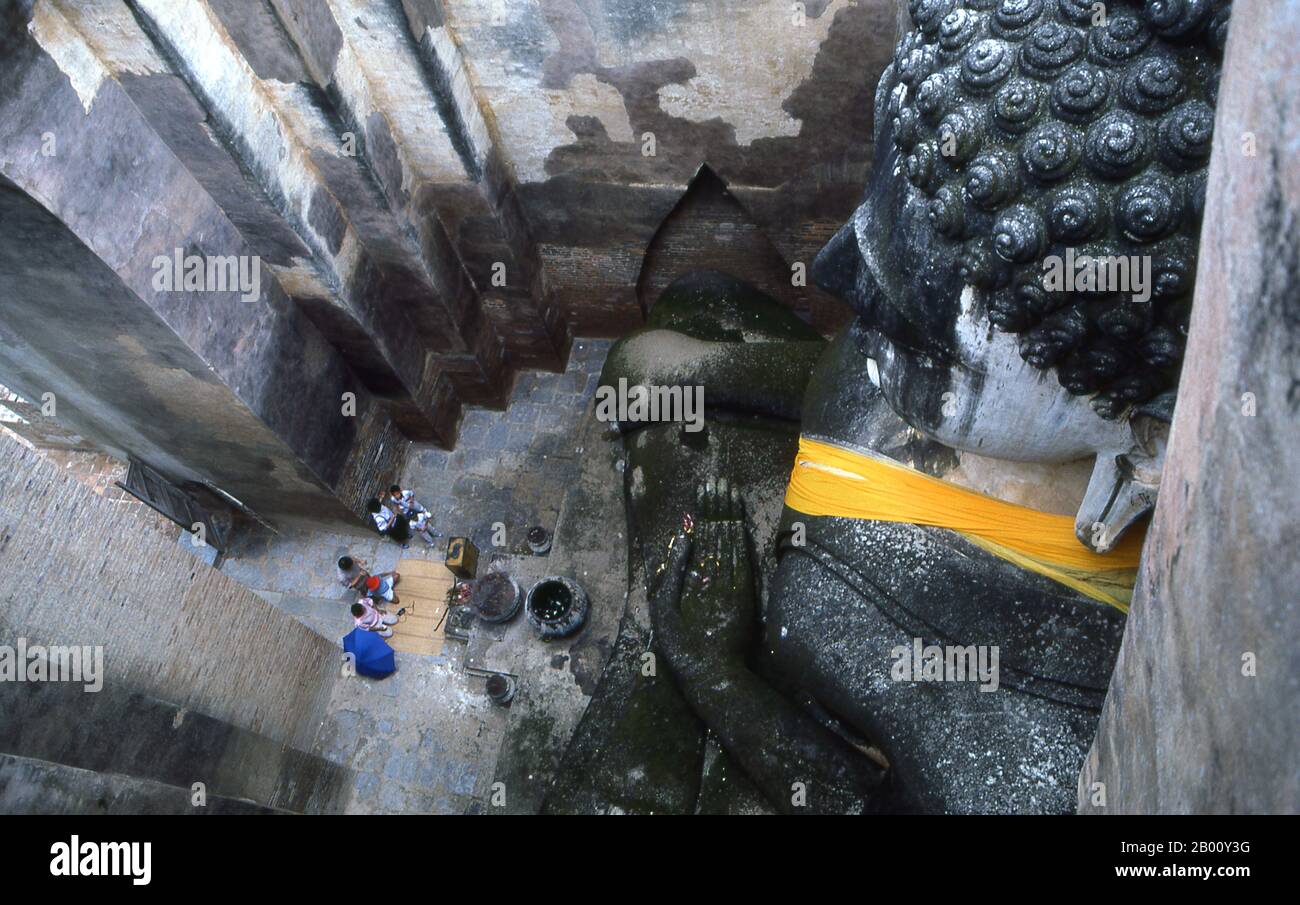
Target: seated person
[(381, 587), (372, 619), (350, 572), (389, 523), (405, 503)]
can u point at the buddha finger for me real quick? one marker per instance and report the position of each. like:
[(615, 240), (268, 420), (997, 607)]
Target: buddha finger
[(722, 555), (730, 556), (746, 570), (698, 572), (704, 544), (673, 572)]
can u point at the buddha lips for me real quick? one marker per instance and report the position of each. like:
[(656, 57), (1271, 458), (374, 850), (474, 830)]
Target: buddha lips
[(836, 482)]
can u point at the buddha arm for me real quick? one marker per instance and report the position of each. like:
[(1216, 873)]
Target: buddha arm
[(764, 378)]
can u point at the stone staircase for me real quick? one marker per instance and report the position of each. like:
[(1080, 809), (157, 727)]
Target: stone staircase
[(66, 750), (29, 786)]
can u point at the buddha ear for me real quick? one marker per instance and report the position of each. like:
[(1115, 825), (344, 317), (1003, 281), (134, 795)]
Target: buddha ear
[(835, 269), (1124, 484)]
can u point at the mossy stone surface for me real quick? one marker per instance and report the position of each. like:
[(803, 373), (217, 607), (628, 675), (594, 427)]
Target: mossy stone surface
[(714, 306)]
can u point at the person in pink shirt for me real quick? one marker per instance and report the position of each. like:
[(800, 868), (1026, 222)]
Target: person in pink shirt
[(372, 619)]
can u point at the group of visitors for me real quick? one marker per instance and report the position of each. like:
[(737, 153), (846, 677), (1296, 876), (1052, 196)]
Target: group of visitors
[(395, 516), (376, 592), (398, 514)]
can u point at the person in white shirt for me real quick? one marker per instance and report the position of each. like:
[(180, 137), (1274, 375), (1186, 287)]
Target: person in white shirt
[(405, 503), (389, 523)]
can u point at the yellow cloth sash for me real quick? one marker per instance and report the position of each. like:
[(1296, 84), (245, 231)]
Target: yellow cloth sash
[(833, 481)]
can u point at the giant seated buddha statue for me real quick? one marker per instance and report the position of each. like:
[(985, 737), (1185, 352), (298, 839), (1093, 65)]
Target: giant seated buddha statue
[(893, 572)]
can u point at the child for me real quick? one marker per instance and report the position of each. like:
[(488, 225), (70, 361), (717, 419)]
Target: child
[(351, 572), (370, 619), (390, 523), (380, 587), (405, 503), (423, 528)]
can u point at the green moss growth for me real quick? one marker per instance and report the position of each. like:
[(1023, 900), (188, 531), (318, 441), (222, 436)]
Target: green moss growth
[(712, 306)]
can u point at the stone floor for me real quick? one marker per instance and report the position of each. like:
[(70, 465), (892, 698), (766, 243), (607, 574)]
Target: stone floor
[(427, 740)]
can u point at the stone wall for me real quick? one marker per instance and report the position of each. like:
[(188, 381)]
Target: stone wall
[(1200, 716), (319, 136), (80, 570), (710, 230), (775, 97), (26, 420), (38, 787), (208, 387), (211, 392), (439, 193)]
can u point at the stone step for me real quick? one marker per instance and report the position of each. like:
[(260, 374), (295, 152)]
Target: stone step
[(116, 731), (32, 786)]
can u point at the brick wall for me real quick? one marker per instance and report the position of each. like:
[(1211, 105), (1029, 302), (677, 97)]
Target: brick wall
[(80, 570)]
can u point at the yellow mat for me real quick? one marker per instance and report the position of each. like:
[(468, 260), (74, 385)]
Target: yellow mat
[(423, 591)]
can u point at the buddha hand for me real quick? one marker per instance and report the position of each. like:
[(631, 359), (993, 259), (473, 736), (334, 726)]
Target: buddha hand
[(714, 610), (703, 613)]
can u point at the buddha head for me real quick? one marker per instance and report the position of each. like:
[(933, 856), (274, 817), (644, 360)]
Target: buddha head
[(1023, 264)]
